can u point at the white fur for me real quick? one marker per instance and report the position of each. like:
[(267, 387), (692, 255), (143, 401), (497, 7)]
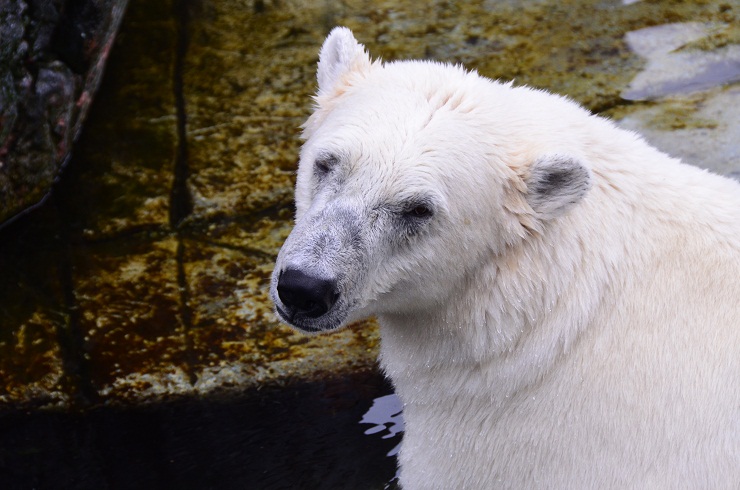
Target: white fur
[(580, 334)]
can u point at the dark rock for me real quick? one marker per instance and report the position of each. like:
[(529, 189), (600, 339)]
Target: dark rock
[(52, 54)]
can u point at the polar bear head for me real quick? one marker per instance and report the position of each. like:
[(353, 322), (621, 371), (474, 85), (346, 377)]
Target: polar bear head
[(412, 175)]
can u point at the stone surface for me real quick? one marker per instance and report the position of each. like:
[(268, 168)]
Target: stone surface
[(687, 94), (701, 128), (52, 54), (673, 67)]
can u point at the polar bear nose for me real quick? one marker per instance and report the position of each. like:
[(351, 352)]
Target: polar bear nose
[(306, 295)]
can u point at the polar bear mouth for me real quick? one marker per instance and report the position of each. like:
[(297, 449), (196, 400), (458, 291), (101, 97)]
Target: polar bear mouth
[(332, 320), (306, 324)]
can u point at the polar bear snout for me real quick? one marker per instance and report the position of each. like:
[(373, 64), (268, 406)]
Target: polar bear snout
[(320, 269), (304, 295)]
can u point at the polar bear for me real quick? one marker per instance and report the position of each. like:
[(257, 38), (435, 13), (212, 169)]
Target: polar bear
[(559, 302)]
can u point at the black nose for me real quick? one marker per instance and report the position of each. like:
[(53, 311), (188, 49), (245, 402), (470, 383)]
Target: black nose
[(306, 295)]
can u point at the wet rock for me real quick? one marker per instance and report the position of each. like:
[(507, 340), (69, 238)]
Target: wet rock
[(34, 319), (129, 153), (687, 94), (130, 303), (52, 54), (671, 70), (702, 128)]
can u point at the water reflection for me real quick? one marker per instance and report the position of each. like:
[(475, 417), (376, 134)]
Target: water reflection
[(387, 416)]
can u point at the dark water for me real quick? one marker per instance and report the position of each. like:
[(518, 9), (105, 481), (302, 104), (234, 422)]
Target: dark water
[(303, 436)]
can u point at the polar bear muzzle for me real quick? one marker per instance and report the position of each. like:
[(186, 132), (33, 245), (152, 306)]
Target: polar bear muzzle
[(320, 267), (305, 296)]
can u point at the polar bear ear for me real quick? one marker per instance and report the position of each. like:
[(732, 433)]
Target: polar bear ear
[(339, 54), (556, 183)]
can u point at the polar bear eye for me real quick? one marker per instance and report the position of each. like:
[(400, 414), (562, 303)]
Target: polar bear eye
[(417, 211), (324, 164), (420, 211), (414, 215)]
